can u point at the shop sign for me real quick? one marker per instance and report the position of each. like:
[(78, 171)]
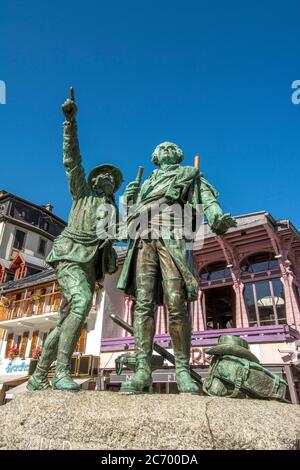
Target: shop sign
[(14, 367)]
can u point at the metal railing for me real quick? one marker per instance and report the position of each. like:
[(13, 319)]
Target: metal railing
[(264, 334)]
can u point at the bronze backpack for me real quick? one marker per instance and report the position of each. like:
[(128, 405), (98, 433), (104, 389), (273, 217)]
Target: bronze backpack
[(233, 376)]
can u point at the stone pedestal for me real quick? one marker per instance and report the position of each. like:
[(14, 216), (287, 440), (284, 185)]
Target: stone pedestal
[(110, 421)]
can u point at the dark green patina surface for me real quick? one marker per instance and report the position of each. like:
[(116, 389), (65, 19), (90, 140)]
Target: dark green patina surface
[(236, 373), (162, 267), (81, 255)]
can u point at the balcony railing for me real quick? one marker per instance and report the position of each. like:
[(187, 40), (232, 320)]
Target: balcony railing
[(45, 303), (24, 308), (266, 334)]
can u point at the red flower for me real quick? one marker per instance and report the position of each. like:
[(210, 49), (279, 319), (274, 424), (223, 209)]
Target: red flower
[(36, 353), (13, 352)]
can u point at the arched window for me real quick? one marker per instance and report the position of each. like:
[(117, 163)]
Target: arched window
[(215, 271), (259, 262)]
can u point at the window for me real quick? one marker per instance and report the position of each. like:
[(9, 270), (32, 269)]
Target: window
[(42, 247), (10, 276), (24, 213), (278, 299), (31, 271), (19, 240), (265, 302), (215, 271), (259, 262), (251, 305), (45, 226), (21, 212), (18, 341), (220, 308)]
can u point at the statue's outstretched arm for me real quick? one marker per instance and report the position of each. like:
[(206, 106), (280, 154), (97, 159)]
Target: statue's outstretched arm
[(71, 152)]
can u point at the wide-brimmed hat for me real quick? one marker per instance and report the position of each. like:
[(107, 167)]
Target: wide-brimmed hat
[(232, 345), (107, 168)]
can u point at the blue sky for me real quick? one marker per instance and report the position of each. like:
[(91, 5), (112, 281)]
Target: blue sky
[(214, 77)]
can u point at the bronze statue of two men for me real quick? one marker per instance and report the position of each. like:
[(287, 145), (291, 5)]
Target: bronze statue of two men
[(158, 268)]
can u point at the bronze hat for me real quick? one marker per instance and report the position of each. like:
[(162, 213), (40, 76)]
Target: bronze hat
[(232, 345), (107, 168)]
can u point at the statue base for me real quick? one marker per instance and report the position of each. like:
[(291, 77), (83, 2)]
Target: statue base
[(110, 421)]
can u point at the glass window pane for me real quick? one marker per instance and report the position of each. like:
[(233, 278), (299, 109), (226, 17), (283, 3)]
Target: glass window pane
[(217, 275), (215, 271), (259, 267), (204, 276), (266, 316), (265, 303), (42, 247), (279, 300), (259, 262), (19, 240), (273, 263), (250, 303)]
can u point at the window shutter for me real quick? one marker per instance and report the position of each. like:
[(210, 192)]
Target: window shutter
[(24, 344), (34, 340), (9, 343), (82, 340)]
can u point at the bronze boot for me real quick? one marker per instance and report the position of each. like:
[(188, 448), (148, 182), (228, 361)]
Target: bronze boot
[(144, 329), (181, 338), (180, 331), (39, 379), (141, 382), (70, 331)]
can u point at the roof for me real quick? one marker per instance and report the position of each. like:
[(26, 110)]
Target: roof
[(47, 275), (34, 261), (5, 263), (6, 195)]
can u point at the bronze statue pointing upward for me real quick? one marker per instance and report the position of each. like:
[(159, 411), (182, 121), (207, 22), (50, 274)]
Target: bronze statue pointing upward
[(80, 255)]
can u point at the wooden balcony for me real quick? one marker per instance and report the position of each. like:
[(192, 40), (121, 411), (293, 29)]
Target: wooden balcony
[(31, 306)]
